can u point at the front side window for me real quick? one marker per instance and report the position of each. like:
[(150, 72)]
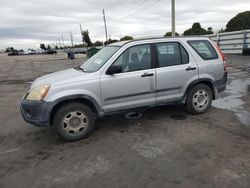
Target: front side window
[(204, 49), (135, 58), (171, 53), (99, 59)]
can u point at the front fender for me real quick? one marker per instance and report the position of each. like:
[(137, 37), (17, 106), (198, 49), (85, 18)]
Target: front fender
[(64, 95)]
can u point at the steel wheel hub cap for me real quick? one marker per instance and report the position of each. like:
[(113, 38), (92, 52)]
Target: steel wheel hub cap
[(200, 100), (74, 123)]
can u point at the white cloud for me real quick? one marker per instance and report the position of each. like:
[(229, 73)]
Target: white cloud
[(28, 23)]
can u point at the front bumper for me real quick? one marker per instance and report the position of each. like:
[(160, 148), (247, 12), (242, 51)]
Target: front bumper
[(36, 112)]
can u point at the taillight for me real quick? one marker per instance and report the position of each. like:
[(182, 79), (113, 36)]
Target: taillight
[(223, 58)]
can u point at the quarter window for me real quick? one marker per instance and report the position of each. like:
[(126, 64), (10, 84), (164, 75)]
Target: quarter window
[(170, 54), (204, 49)]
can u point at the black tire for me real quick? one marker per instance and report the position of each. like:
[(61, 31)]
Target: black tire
[(192, 106), (64, 114)]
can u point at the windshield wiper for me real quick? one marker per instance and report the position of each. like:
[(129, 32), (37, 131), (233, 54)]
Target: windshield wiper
[(79, 68)]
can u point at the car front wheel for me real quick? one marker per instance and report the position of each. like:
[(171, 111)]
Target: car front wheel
[(74, 121)]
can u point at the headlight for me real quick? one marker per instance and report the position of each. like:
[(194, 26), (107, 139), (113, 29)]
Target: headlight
[(38, 93)]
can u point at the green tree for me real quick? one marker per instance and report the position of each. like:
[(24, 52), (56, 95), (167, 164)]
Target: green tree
[(48, 47), (239, 22), (221, 30), (9, 49), (169, 34), (42, 46), (126, 38), (86, 38), (210, 30), (110, 41), (98, 43), (196, 30), (79, 45)]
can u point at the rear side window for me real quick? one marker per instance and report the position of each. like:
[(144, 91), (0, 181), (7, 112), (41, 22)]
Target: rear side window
[(171, 54), (204, 49)]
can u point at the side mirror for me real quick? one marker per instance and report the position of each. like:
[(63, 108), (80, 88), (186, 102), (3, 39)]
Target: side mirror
[(114, 69)]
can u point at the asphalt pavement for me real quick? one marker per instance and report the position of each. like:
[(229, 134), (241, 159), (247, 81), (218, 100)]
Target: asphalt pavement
[(165, 148)]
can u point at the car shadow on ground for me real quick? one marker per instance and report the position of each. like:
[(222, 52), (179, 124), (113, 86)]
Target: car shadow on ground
[(106, 125)]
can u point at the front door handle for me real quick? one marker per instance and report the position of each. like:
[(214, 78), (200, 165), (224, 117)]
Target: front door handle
[(190, 68), (147, 75)]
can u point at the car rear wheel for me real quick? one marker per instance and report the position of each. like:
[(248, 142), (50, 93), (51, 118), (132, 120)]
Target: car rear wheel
[(74, 121), (199, 99)]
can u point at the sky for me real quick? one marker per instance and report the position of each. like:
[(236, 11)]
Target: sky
[(27, 23)]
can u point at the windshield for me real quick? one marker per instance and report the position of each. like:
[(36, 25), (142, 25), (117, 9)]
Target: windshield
[(99, 59)]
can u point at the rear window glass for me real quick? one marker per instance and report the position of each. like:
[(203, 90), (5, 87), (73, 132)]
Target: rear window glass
[(204, 49)]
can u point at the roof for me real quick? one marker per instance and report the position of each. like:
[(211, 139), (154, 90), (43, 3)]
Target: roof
[(121, 43)]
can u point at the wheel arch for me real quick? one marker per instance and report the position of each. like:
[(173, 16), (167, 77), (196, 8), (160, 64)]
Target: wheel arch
[(90, 102), (205, 81)]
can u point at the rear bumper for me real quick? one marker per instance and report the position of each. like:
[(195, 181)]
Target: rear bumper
[(36, 112), (221, 84)]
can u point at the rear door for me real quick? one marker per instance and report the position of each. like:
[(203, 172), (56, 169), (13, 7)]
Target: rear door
[(175, 69)]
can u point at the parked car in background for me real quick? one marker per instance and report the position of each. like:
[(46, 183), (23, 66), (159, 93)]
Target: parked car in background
[(39, 51), (127, 76), (14, 53), (29, 52), (82, 50), (50, 51)]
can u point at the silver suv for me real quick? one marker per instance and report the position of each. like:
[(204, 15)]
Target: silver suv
[(127, 76)]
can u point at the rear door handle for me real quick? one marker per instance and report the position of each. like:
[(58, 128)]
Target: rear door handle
[(190, 68), (147, 75)]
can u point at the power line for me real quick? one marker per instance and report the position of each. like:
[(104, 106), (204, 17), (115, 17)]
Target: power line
[(112, 8), (122, 12), (146, 6), (135, 12), (125, 10), (121, 15), (127, 7), (116, 8)]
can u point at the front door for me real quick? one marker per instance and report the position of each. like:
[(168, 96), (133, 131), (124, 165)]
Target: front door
[(135, 85)]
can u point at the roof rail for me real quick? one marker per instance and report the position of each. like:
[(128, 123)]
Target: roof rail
[(161, 37)]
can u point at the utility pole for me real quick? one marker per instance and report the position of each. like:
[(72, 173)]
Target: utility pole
[(81, 28), (173, 17), (105, 25), (63, 41), (59, 42), (71, 38), (82, 34)]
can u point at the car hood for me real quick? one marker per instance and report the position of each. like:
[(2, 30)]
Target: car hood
[(60, 77)]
